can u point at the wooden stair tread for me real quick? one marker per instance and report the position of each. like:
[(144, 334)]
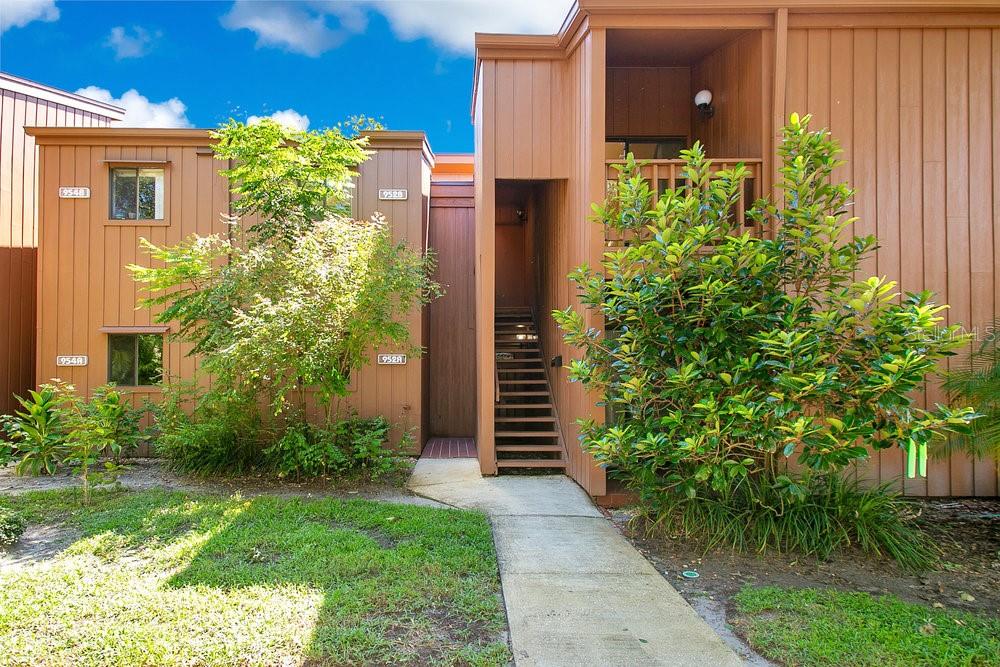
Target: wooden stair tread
[(524, 381), (526, 434), (531, 463), (529, 448), (544, 418), (523, 393), (523, 406)]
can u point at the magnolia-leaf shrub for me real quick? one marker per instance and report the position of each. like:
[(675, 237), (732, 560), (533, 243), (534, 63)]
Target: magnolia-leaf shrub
[(724, 353)]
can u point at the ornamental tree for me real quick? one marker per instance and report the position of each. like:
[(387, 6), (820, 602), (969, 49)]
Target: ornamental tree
[(724, 353), (293, 301)]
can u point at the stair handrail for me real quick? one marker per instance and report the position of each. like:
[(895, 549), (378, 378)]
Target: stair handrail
[(496, 377)]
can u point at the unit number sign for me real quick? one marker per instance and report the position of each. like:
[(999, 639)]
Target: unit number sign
[(392, 194), (71, 360), (392, 359), (74, 192)]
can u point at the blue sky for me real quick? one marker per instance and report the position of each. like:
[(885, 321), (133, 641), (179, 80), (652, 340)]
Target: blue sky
[(198, 63)]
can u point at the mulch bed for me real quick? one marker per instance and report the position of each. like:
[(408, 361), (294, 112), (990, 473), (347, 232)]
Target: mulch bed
[(966, 530)]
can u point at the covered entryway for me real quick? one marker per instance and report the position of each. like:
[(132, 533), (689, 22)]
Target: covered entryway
[(451, 359)]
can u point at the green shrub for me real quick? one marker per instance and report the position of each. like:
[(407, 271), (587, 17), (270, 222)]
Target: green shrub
[(349, 445), (104, 425), (207, 433), (833, 514), (724, 353), (37, 432), (978, 382), (12, 526)]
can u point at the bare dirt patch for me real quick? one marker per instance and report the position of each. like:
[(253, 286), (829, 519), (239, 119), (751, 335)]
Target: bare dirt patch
[(143, 474), (39, 543), (968, 576)]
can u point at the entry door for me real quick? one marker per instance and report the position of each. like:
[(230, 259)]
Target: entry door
[(451, 345)]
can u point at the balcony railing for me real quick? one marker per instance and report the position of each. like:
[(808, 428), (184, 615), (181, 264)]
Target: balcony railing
[(669, 174)]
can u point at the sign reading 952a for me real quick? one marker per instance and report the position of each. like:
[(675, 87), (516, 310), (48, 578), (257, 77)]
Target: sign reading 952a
[(391, 359), (392, 194)]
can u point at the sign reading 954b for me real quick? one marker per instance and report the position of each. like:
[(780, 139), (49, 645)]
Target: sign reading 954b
[(391, 359)]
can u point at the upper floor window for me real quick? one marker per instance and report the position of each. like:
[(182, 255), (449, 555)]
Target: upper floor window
[(136, 193)]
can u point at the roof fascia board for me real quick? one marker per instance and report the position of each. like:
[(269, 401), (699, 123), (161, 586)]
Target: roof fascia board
[(118, 136), (37, 90), (596, 7)]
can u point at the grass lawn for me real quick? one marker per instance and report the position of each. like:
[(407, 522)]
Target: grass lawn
[(171, 578), (809, 626)]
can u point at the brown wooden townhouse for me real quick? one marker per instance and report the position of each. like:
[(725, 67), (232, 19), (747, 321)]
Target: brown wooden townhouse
[(910, 87), (23, 104)]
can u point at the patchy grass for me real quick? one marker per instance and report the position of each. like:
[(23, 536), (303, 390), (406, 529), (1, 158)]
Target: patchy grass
[(172, 578), (810, 626)]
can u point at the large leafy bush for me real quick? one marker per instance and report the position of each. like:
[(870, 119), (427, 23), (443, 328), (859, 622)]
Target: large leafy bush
[(283, 309), (725, 354)]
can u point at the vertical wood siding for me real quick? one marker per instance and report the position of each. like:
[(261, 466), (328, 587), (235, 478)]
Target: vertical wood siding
[(19, 233), (734, 73), (918, 114), (564, 117), (648, 101), (451, 340), (84, 284)]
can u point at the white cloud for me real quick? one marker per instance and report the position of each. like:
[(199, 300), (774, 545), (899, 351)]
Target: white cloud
[(453, 24), (300, 27), (139, 111), (316, 26), (287, 117), (134, 45), (19, 13)]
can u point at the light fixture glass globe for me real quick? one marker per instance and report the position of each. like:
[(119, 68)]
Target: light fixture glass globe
[(703, 98)]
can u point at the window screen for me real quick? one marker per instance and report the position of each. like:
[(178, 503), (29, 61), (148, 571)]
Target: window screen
[(136, 194), (135, 360)]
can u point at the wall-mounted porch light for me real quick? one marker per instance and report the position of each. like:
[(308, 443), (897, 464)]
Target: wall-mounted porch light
[(703, 100)]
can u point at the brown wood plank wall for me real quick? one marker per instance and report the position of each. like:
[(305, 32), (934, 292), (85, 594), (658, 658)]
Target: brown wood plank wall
[(19, 232), (648, 101), (734, 74), (917, 111), (85, 286), (451, 340)]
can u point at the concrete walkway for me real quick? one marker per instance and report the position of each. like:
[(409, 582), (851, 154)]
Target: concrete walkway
[(577, 593)]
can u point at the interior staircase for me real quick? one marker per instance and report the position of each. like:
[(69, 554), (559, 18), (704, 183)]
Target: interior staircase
[(526, 430)]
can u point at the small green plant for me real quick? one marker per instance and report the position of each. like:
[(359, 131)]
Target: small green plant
[(104, 425), (12, 526), (978, 382), (834, 513), (206, 432), (37, 432), (348, 445), (57, 427)]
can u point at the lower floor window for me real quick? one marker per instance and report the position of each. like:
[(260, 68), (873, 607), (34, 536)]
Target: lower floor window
[(135, 360)]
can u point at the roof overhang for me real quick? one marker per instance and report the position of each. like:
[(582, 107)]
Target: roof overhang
[(135, 136), (119, 136), (30, 88), (406, 139), (745, 14)]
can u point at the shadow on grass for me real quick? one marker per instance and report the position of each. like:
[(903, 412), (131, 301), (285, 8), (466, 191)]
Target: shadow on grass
[(399, 584)]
